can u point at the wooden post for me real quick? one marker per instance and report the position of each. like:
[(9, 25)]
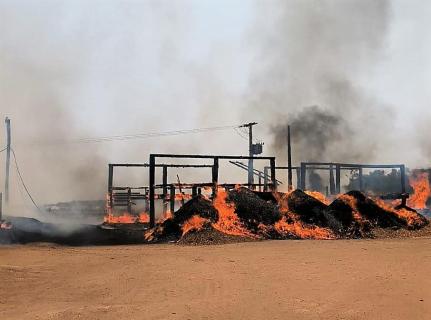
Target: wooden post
[(273, 179), (338, 178), (289, 161), (165, 180), (152, 191), (8, 144), (403, 178), (172, 199), (1, 205), (110, 183), (215, 176)]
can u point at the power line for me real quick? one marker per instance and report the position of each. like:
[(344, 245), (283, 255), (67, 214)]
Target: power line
[(240, 134), (3, 150), (22, 181), (143, 135)]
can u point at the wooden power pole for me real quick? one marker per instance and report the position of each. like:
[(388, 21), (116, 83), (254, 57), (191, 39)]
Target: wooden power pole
[(8, 144), (289, 161), (250, 152)]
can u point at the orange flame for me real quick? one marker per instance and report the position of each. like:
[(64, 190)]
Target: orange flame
[(319, 196), (410, 217), (167, 215), (296, 227), (352, 202), (194, 223), (302, 231), (126, 217), (228, 221), (421, 187)]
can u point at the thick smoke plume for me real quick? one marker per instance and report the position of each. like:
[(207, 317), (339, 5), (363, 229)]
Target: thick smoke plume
[(320, 53)]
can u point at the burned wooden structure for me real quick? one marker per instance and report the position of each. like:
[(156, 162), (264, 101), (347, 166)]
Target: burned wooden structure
[(263, 176), (120, 196), (124, 196), (289, 170), (335, 179), (214, 184)]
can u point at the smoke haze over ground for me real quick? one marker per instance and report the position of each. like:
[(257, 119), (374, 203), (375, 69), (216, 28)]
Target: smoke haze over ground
[(349, 76)]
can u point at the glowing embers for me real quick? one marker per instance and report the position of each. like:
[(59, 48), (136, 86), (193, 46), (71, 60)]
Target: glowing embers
[(126, 217), (195, 223)]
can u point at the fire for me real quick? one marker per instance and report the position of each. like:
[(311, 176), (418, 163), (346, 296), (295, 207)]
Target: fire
[(302, 231), (228, 221), (319, 196), (296, 227), (180, 196), (421, 190), (126, 217), (410, 217), (352, 202), (166, 215), (194, 223)]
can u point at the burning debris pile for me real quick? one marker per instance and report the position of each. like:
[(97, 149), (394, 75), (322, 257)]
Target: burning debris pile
[(244, 215), (235, 215)]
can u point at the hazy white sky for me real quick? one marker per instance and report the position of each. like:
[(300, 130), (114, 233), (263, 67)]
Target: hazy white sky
[(84, 68)]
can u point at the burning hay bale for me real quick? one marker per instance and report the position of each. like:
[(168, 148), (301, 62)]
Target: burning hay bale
[(312, 211), (296, 215), (198, 205), (360, 214), (195, 215), (253, 210), (232, 216)]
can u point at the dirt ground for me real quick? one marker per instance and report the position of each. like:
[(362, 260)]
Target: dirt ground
[(353, 279)]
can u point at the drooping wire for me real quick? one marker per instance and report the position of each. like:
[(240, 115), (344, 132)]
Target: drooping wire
[(3, 150), (143, 135), (240, 134), (23, 183)]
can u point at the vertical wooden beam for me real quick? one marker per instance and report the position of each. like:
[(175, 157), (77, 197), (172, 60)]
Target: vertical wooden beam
[(338, 178), (361, 182), (110, 185), (273, 179), (250, 154), (298, 178), (152, 191), (172, 199), (403, 178), (165, 187), (165, 180), (8, 146), (215, 176), (289, 161)]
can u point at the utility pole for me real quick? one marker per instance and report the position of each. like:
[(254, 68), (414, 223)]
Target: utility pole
[(8, 143), (251, 152), (289, 161)]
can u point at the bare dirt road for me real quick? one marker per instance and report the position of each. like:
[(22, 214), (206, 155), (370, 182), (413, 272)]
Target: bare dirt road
[(357, 279)]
